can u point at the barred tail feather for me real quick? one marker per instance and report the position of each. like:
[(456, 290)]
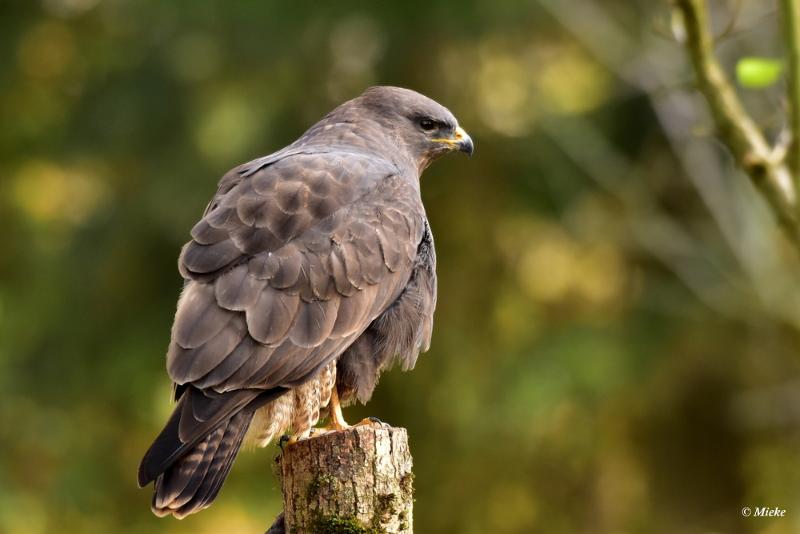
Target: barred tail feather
[(193, 454), (192, 482)]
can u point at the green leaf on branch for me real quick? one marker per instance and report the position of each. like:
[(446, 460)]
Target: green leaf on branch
[(758, 72)]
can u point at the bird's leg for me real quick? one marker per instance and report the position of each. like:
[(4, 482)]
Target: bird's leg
[(337, 419)]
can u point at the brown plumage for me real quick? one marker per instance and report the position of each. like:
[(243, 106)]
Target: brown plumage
[(311, 271)]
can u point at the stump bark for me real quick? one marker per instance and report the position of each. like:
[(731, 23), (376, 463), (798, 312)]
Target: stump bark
[(357, 480)]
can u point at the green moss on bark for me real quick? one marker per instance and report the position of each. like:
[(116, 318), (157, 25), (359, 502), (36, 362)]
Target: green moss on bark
[(337, 524)]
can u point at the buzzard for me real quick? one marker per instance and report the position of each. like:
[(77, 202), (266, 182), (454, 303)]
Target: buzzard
[(311, 271)]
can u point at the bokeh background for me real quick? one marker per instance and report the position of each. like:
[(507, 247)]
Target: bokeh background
[(616, 340)]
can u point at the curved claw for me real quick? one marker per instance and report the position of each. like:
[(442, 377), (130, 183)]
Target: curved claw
[(370, 421), (319, 431)]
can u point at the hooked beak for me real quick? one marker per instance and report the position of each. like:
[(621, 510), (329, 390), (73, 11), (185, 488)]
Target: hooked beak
[(460, 141), (464, 141)]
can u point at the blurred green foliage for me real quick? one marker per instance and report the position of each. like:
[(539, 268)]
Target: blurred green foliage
[(616, 340), (758, 72)]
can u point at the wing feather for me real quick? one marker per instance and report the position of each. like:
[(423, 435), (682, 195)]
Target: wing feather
[(353, 312), (204, 259), (198, 318), (238, 289), (314, 322), (289, 264), (272, 315), (187, 365), (205, 234), (257, 372), (246, 351)]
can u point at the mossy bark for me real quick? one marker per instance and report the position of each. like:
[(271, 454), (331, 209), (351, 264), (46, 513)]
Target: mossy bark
[(357, 480)]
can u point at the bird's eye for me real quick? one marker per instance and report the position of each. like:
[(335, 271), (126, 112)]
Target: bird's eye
[(427, 124)]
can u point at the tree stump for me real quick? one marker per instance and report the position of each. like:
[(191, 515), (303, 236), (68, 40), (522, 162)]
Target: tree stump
[(353, 481)]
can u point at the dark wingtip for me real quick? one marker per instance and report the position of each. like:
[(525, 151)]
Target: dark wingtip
[(148, 469), (143, 477), (164, 450)]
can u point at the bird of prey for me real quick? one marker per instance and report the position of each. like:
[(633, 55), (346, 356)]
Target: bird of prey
[(311, 271)]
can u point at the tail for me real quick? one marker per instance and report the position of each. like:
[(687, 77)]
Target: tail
[(191, 457), (192, 482)]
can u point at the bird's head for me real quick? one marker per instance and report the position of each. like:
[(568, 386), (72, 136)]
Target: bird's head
[(422, 127)]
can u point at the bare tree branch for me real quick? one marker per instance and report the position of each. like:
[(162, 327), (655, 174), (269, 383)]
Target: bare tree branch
[(791, 17), (736, 129), (655, 67)]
